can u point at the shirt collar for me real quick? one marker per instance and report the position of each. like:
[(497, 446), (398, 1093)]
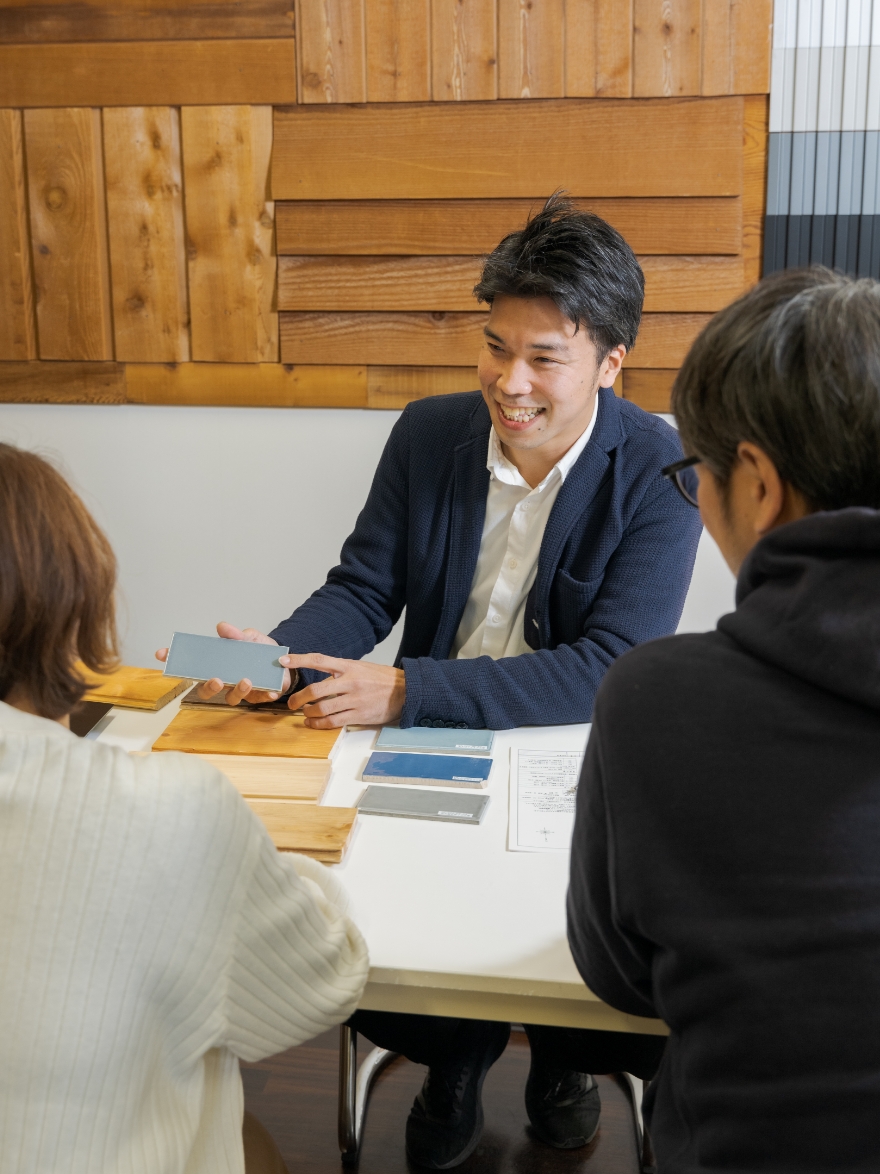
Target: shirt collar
[(504, 470)]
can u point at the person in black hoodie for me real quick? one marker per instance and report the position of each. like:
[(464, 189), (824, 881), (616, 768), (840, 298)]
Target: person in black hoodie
[(725, 871)]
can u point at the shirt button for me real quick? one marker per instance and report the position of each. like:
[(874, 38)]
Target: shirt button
[(513, 564), (496, 619), (526, 505)]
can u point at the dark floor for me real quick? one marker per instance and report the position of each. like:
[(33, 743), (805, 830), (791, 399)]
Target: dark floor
[(294, 1096)]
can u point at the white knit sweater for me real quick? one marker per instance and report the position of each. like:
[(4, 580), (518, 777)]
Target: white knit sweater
[(150, 935)]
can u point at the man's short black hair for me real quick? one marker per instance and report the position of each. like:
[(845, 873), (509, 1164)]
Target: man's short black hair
[(794, 367), (579, 261)]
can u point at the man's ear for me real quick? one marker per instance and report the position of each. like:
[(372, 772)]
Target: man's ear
[(610, 366), (765, 488)]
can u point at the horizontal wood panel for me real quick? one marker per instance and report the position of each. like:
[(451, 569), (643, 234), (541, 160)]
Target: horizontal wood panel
[(446, 283), (649, 389), (447, 339), (256, 385), (62, 383), (395, 387), (148, 73), (143, 20), (707, 224), (269, 384), (674, 147)]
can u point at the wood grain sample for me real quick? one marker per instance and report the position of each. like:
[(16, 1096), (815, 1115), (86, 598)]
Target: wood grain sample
[(143, 73), (708, 224), (464, 50), (675, 147), (330, 42), (649, 389), (320, 832), (69, 233), (229, 221), (666, 48), (205, 731), (531, 54), (448, 339), (256, 385), (446, 283), (145, 222), (395, 387), (398, 36), (132, 687), (598, 48), (18, 338), (142, 20), (300, 780), (62, 383)]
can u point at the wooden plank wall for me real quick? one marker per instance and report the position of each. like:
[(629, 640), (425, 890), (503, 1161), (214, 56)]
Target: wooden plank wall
[(268, 202)]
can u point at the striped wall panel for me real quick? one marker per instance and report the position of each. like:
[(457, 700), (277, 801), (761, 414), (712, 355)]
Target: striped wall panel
[(823, 181)]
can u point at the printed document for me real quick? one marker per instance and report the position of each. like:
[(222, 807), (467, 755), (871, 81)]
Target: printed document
[(543, 785)]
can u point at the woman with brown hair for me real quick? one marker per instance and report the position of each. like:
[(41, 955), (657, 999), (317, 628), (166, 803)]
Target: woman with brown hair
[(152, 935)]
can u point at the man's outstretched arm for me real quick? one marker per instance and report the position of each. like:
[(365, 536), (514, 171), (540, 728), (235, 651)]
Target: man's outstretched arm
[(641, 598)]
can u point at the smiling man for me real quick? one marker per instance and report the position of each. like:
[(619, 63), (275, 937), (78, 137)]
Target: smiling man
[(529, 534)]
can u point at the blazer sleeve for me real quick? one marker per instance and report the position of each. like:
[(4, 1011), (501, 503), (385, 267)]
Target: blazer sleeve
[(615, 965), (364, 596), (641, 598)]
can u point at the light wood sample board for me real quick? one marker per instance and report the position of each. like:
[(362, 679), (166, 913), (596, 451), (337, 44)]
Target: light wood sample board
[(301, 780), (320, 832), (249, 732), (133, 688)]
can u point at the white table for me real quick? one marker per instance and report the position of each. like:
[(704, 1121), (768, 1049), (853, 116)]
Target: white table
[(455, 923)]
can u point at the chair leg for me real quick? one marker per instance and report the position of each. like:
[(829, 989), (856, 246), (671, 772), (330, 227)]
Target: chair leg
[(354, 1090), (635, 1090)]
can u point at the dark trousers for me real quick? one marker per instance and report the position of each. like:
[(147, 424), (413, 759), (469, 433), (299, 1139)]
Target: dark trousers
[(435, 1040)]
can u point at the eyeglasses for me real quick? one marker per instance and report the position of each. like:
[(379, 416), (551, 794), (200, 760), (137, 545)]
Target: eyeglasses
[(684, 477)]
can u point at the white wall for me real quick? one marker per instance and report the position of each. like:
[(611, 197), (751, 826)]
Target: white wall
[(235, 513)]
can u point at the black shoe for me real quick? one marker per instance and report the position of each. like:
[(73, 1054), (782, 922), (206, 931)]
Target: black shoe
[(446, 1120), (563, 1106)]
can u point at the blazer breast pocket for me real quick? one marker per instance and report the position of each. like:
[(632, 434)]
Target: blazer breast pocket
[(571, 600)]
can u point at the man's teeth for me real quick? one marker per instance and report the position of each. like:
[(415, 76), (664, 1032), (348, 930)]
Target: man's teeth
[(519, 415)]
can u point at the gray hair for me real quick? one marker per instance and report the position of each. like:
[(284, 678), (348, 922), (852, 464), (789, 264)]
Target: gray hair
[(794, 367)]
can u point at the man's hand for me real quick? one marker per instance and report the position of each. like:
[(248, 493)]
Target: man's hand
[(244, 689), (357, 692)]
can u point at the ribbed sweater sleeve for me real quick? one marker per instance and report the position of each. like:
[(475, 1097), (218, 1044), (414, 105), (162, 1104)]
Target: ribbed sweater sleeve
[(297, 966), (151, 936)]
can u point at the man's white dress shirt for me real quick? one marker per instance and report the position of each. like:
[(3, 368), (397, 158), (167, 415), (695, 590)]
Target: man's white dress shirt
[(516, 516)]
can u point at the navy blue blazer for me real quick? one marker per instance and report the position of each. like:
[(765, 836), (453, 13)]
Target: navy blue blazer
[(614, 568)]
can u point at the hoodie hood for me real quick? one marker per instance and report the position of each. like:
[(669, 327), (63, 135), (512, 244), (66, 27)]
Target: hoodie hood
[(808, 602)]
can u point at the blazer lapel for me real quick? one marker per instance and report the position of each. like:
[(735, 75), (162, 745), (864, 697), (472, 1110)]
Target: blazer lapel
[(469, 492), (580, 487)]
